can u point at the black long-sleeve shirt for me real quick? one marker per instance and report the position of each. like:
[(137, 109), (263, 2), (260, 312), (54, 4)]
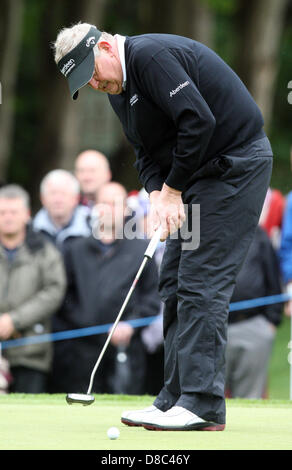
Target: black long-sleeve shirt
[(183, 105)]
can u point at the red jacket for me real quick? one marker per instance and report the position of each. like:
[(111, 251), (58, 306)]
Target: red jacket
[(273, 210)]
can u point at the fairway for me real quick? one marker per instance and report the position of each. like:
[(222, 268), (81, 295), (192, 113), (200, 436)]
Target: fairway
[(47, 422)]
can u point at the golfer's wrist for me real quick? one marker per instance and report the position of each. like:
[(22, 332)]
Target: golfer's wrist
[(154, 195), (171, 191)]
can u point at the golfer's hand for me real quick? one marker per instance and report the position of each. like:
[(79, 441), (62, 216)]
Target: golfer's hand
[(6, 326), (122, 334), (167, 210)]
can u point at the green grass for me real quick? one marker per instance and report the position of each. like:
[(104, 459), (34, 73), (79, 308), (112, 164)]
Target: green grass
[(279, 370), (46, 422)]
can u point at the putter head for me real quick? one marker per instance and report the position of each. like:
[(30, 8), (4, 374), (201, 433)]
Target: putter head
[(82, 398)]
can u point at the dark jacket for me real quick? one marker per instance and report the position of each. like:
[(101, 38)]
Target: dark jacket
[(98, 282), (182, 107), (259, 277)]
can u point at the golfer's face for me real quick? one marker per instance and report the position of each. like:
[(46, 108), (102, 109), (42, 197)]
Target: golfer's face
[(107, 76)]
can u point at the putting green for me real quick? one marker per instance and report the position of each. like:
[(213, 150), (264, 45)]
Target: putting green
[(46, 422)]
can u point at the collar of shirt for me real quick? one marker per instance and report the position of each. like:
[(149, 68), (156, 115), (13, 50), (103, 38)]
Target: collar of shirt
[(121, 49)]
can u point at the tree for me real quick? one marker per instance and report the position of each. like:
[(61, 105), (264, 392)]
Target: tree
[(58, 139), (11, 28), (260, 24)]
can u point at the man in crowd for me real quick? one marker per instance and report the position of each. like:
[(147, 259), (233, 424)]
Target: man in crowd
[(61, 218), (33, 286), (199, 141), (251, 331), (100, 271), (92, 169)]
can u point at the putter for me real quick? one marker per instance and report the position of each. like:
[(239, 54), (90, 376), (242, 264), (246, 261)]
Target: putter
[(88, 398)]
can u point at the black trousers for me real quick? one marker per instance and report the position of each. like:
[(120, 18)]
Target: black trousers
[(196, 284)]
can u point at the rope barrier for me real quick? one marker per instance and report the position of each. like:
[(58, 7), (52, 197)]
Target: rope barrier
[(99, 329)]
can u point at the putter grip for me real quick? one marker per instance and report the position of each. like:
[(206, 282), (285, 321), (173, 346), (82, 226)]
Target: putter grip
[(153, 244)]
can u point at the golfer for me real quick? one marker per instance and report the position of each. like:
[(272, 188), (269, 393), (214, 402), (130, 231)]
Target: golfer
[(199, 141)]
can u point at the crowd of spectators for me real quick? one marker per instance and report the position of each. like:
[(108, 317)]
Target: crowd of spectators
[(70, 265)]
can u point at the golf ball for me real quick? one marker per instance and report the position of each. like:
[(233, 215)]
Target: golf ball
[(113, 433)]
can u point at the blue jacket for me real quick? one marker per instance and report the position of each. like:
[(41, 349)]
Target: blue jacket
[(286, 241), (77, 227)]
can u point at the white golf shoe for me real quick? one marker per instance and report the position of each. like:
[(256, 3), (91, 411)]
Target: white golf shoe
[(139, 417), (178, 418)]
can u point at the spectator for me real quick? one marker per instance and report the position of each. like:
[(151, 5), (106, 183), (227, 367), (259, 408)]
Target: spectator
[(272, 215), (100, 272), (32, 273), (251, 332), (61, 219), (92, 169)]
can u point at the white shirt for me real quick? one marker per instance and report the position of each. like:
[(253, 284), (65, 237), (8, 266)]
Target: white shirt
[(121, 49)]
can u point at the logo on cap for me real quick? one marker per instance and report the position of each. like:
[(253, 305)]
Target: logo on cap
[(68, 67), (90, 41)]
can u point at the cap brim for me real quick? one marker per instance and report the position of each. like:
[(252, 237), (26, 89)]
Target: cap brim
[(80, 76)]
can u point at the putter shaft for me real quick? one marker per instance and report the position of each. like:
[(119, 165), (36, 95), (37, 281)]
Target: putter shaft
[(147, 255), (115, 324)]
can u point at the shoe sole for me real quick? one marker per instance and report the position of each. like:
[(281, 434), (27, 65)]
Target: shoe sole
[(192, 427), (128, 422)]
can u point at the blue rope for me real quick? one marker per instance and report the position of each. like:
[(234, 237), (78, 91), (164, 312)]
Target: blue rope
[(272, 299), (69, 334), (99, 329)]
